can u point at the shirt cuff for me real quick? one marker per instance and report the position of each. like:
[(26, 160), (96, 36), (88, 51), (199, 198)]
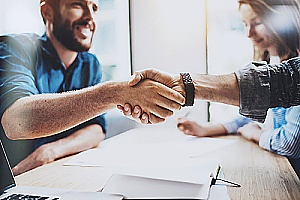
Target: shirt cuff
[(254, 84), (231, 128), (265, 140)]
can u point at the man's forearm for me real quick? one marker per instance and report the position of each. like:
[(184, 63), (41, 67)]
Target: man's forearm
[(47, 114), (217, 88), (80, 140), (83, 139)]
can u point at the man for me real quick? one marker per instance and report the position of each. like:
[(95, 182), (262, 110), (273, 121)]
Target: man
[(50, 86), (254, 88)]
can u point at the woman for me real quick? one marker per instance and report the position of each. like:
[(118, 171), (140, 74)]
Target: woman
[(274, 29)]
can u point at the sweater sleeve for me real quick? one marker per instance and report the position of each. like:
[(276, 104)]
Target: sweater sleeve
[(265, 86)]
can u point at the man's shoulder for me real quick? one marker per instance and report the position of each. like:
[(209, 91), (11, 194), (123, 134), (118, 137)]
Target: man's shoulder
[(20, 36), (17, 41)]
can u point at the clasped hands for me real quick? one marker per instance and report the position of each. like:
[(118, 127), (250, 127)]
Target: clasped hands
[(170, 89)]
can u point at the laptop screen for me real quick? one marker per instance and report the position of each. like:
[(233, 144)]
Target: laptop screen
[(6, 176)]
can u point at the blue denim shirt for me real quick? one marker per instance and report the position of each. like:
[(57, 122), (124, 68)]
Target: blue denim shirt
[(29, 65), (265, 86)]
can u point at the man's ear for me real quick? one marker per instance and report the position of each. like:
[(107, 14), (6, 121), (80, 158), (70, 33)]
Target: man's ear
[(47, 12)]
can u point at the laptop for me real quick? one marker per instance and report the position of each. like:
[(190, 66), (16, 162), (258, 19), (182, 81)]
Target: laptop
[(10, 191)]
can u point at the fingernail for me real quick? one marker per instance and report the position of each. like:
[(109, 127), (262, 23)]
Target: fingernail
[(126, 109)]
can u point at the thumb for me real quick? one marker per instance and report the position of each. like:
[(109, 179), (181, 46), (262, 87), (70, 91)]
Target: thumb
[(151, 73), (135, 79), (16, 170)]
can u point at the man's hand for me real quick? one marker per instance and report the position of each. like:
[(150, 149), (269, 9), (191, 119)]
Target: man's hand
[(156, 100), (39, 157), (251, 131), (85, 138), (170, 80)]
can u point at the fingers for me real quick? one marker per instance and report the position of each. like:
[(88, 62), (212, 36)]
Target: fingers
[(136, 113), (24, 166), (139, 115), (186, 126), (184, 129), (163, 101), (16, 171), (145, 119), (126, 109), (159, 110), (180, 127), (177, 100), (153, 119), (157, 101)]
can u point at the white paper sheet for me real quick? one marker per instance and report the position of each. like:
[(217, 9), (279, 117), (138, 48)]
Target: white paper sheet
[(160, 154), (166, 184), (135, 187), (194, 174), (176, 150)]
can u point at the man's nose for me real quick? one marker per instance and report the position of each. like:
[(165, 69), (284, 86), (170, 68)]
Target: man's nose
[(89, 14)]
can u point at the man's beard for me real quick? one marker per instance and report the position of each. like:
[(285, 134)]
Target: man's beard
[(63, 31)]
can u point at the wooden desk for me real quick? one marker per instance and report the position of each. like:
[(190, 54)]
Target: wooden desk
[(263, 175)]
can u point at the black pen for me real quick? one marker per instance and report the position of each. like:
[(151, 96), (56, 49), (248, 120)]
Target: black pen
[(223, 180)]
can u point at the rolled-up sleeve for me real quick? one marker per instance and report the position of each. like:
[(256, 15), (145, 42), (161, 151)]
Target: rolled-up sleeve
[(265, 86), (285, 83), (254, 84)]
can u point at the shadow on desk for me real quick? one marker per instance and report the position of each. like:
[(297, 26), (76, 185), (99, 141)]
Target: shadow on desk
[(295, 162)]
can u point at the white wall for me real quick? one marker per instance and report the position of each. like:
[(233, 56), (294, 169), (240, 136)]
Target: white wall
[(19, 16), (170, 35)]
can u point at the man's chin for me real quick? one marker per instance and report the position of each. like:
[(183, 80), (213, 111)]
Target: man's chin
[(81, 46), (85, 44), (83, 49)]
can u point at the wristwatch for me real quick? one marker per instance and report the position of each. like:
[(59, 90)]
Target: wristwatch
[(189, 89)]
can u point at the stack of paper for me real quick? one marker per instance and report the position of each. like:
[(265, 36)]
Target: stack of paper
[(155, 163)]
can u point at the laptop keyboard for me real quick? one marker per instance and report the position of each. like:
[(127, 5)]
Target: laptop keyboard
[(28, 197)]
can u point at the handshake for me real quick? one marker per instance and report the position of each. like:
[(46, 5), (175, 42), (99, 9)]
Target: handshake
[(152, 95), (155, 95)]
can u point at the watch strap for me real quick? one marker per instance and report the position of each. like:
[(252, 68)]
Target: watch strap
[(189, 89)]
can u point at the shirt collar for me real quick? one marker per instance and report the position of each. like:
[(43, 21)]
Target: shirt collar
[(47, 47)]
